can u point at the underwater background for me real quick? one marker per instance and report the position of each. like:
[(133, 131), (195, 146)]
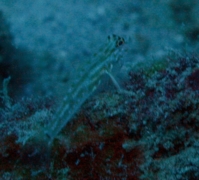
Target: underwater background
[(75, 104)]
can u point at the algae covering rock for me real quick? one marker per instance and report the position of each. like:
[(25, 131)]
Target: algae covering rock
[(165, 117), (151, 134)]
